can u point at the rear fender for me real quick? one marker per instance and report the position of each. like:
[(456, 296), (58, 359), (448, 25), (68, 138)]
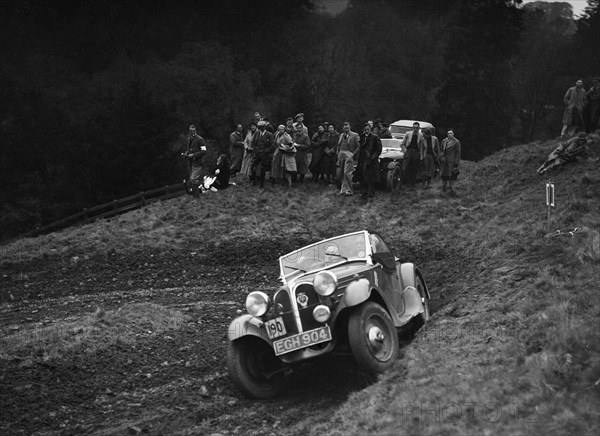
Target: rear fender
[(408, 277), (247, 325)]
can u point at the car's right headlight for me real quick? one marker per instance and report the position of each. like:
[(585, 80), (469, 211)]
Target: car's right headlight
[(257, 303), (325, 283)]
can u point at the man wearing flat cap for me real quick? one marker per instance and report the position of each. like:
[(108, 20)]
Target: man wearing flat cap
[(263, 153), (299, 119)]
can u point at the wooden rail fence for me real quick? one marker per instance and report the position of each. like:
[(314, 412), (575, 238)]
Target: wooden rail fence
[(110, 209)]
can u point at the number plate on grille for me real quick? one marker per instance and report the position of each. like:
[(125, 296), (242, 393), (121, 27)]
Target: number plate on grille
[(302, 340), (275, 327)]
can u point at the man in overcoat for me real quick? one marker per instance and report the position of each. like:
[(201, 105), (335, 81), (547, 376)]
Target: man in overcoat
[(195, 152), (412, 144), (263, 153), (236, 149), (318, 142), (348, 146), (367, 171), (573, 114)]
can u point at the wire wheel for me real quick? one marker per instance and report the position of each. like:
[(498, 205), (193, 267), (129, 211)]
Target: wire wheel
[(393, 180)]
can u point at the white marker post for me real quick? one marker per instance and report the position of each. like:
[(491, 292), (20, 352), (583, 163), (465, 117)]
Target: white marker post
[(549, 200)]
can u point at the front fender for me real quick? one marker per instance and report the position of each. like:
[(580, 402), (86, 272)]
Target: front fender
[(357, 292), (247, 325)]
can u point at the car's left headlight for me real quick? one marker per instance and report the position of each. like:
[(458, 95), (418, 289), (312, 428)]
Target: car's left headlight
[(325, 283), (257, 303)]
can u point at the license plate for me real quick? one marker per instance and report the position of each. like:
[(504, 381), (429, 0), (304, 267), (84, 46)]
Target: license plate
[(275, 327), (302, 340)]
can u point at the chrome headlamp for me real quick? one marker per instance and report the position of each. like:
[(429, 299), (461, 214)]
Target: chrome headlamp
[(257, 303), (325, 283)]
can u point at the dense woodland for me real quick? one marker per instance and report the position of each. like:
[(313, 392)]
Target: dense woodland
[(97, 94)]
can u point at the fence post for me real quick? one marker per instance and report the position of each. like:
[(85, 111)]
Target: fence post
[(143, 198)]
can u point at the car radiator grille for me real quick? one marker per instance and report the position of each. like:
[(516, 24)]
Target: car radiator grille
[(306, 312), (287, 312)]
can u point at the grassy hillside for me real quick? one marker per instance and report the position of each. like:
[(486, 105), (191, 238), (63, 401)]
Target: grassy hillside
[(513, 346)]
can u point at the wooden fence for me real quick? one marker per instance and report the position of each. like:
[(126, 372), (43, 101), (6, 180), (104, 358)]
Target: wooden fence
[(107, 210)]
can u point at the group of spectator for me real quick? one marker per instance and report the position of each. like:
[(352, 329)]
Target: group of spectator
[(286, 154)]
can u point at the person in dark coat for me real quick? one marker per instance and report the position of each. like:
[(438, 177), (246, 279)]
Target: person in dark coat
[(412, 143), (367, 170), (222, 172), (330, 153), (430, 156), (263, 153), (195, 152), (566, 152), (317, 145), (236, 149), (302, 143), (449, 159)]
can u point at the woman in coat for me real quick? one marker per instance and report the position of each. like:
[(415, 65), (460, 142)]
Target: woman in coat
[(287, 151), (302, 143), (449, 159), (430, 156), (249, 143)]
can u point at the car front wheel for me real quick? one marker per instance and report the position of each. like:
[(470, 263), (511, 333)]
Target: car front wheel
[(394, 178), (254, 368), (373, 338)]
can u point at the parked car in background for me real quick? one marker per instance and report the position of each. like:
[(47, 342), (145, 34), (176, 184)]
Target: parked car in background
[(344, 294), (399, 128)]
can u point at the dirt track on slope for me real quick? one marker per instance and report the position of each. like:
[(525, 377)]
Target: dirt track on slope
[(170, 382)]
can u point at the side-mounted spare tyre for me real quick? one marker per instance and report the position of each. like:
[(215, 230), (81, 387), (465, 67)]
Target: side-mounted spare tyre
[(254, 368)]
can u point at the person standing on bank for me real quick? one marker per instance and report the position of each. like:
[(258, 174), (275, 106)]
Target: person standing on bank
[(367, 170), (430, 156), (286, 150), (413, 143), (318, 142), (593, 105), (195, 152), (236, 149), (249, 143), (449, 159), (347, 147), (302, 144), (263, 153), (573, 117), (330, 153)]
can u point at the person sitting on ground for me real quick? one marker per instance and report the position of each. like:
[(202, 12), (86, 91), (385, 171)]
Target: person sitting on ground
[(222, 172), (567, 152)]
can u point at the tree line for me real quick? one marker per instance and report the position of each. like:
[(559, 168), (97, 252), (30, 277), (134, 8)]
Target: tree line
[(97, 95)]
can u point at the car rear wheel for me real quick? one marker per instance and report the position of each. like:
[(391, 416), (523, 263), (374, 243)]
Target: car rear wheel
[(254, 368), (373, 338), (393, 180)]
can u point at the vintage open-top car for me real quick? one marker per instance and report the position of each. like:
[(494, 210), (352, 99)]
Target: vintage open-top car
[(344, 294)]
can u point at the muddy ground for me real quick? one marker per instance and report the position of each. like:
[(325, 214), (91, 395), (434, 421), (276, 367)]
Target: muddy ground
[(172, 382)]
